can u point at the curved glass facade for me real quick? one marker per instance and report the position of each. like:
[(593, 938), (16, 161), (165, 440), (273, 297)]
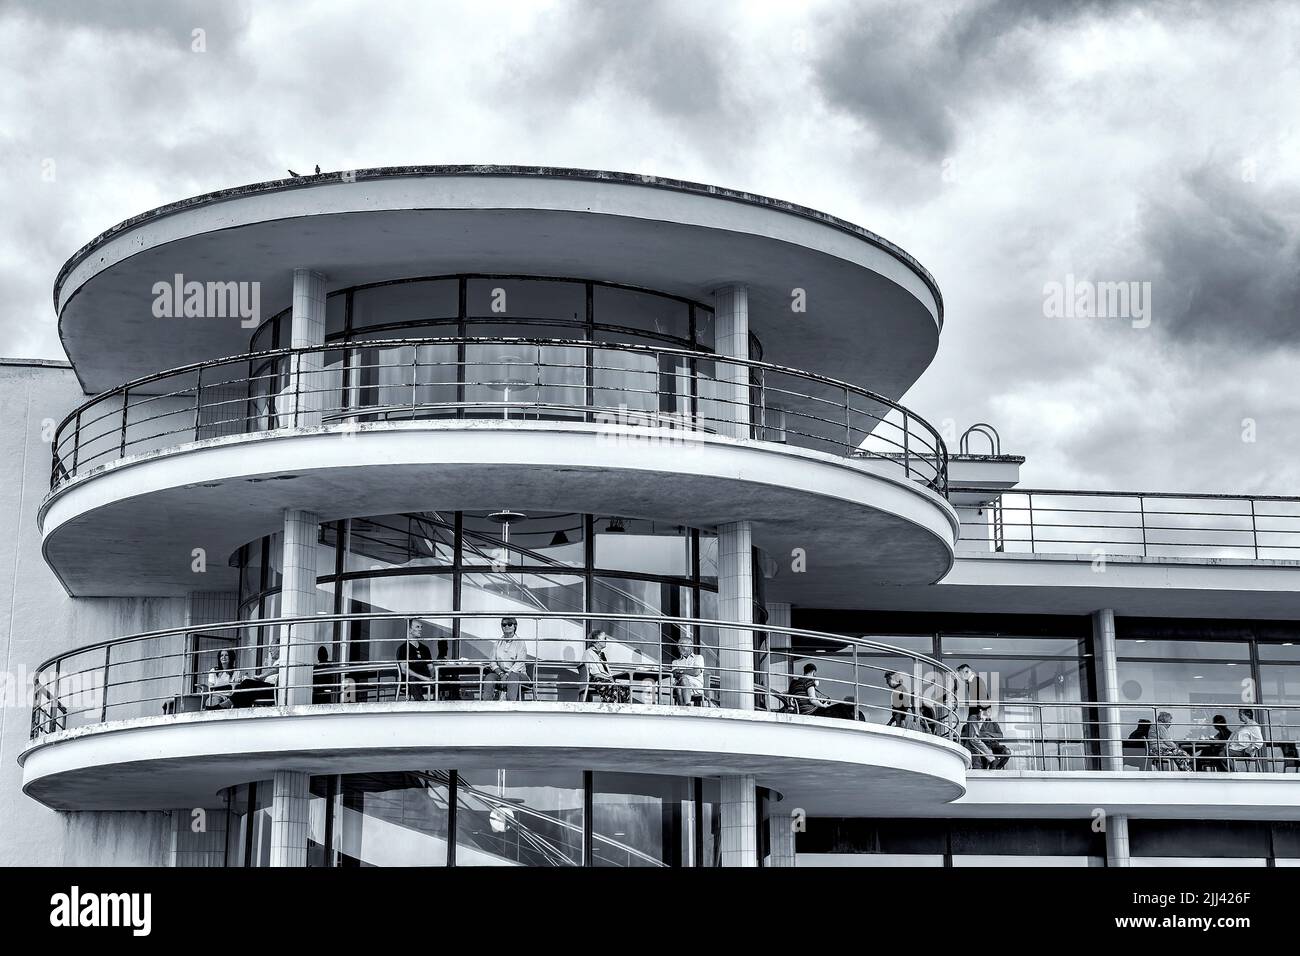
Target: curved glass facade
[(432, 379), (580, 564), (491, 818)]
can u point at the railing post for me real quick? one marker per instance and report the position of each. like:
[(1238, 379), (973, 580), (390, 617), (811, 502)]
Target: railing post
[(198, 402), (1142, 519), (848, 425), (103, 703), (415, 376), (1254, 529), (1032, 547), (907, 453), (126, 394), (76, 441)]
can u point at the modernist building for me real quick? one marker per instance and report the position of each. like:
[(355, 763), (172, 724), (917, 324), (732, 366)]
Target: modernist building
[(322, 440)]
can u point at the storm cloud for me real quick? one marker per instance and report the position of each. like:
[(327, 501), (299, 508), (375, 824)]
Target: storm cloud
[(1007, 145)]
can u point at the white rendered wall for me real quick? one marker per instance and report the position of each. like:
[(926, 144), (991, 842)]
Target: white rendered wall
[(38, 619)]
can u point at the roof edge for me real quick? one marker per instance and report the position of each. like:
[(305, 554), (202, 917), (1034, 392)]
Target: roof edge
[(543, 172)]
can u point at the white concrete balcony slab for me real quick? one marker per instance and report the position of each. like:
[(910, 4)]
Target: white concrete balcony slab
[(143, 722), (208, 457)]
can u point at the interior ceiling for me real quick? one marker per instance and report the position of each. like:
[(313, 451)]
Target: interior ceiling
[(859, 326)]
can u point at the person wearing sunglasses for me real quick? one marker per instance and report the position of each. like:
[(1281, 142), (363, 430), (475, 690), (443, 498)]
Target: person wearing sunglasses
[(507, 671)]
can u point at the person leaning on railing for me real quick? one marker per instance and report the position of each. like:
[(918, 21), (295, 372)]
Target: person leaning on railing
[(902, 703)]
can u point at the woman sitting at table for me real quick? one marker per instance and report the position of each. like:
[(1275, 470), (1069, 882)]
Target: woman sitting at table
[(597, 679), (1164, 750), (222, 678)]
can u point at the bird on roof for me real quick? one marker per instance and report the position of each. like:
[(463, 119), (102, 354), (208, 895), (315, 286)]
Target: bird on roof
[(318, 169), (293, 174)]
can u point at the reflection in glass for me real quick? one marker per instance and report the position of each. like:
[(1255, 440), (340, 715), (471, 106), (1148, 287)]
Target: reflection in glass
[(519, 818), (640, 820), (393, 819)]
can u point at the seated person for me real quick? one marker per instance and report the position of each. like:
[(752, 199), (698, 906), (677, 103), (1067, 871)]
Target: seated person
[(1164, 750), (1246, 744), (260, 685), (1142, 731), (688, 674), (847, 709), (983, 738), (597, 679), (323, 681), (804, 695), (507, 671), (1213, 753), (414, 667), (902, 706), (222, 678)]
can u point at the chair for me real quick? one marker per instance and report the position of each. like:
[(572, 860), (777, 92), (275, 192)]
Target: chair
[(1290, 756)]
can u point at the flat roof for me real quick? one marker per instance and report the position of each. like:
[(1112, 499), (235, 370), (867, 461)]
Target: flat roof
[(873, 313)]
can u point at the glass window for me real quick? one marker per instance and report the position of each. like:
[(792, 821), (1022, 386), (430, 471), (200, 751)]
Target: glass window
[(646, 312), (1183, 682), (405, 302), (536, 540), (519, 818), (1184, 650), (236, 825), (393, 819), (1289, 651), (999, 644), (526, 300), (260, 823), (641, 820), (646, 547)]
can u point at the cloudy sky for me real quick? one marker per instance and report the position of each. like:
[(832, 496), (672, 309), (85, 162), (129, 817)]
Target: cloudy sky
[(1007, 145)]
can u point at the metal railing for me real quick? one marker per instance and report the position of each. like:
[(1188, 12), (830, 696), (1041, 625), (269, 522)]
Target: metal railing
[(613, 384), (1116, 523), (1091, 735), (364, 658)]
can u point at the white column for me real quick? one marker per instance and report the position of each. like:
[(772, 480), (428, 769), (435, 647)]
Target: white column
[(298, 598), (290, 818), (739, 812), (780, 835), (308, 331), (731, 339), (1117, 852), (1110, 732), (736, 603)]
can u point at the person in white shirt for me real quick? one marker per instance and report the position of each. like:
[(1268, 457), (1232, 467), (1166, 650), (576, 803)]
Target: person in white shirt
[(508, 668), (222, 679), (1247, 741), (688, 674)]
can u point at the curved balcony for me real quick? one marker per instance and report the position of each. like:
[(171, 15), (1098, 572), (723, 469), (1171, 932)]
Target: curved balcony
[(166, 719), (638, 430), (497, 379)]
